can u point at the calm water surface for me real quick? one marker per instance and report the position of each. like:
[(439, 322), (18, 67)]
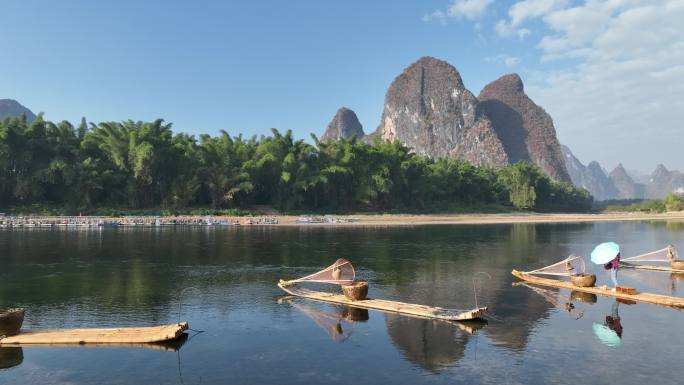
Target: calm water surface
[(254, 335)]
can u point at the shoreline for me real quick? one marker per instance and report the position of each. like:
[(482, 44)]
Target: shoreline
[(335, 221), (483, 219)]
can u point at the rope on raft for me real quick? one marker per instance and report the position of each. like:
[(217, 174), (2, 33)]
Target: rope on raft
[(341, 272), (563, 268)]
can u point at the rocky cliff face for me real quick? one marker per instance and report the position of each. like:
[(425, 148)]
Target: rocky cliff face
[(574, 167), (428, 108), (598, 183), (345, 124), (12, 108), (625, 187), (591, 177), (663, 182), (525, 129)]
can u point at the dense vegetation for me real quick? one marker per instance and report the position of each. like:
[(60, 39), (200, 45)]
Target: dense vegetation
[(672, 202), (144, 164)]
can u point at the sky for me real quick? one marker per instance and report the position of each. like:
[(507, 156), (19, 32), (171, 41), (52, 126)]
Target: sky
[(609, 72)]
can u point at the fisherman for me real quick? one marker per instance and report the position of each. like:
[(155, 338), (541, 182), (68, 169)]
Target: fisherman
[(608, 255), (671, 253), (613, 267)]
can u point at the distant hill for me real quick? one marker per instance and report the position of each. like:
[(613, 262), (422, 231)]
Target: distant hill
[(621, 184), (345, 124), (12, 108)]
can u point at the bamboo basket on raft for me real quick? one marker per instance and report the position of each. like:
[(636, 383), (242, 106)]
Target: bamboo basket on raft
[(11, 320), (583, 280), (356, 291)]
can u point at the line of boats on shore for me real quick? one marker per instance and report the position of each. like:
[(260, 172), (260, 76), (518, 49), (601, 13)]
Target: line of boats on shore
[(156, 221), (308, 219), (147, 221)]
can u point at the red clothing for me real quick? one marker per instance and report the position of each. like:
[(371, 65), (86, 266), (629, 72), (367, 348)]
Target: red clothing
[(613, 264)]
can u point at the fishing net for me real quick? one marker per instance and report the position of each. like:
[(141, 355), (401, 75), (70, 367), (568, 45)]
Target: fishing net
[(571, 265), (340, 273), (666, 254)]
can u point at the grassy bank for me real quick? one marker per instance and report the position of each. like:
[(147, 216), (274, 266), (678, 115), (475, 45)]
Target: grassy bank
[(671, 203)]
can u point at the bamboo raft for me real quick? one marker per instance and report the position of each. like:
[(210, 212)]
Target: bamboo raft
[(666, 269), (420, 311), (133, 336), (657, 299)]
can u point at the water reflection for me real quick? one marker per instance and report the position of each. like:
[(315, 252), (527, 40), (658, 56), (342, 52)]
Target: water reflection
[(432, 345), (610, 332), (674, 279), (553, 297), (581, 296), (11, 357), (331, 321), (355, 314)]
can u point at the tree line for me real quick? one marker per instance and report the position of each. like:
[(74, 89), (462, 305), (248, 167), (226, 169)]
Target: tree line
[(134, 164)]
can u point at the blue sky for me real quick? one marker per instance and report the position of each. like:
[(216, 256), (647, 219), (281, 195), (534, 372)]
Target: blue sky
[(252, 65)]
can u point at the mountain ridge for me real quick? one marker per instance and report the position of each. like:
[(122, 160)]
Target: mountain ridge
[(14, 109)]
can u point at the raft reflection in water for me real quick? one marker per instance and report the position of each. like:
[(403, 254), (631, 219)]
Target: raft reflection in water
[(10, 357), (430, 344), (331, 321)]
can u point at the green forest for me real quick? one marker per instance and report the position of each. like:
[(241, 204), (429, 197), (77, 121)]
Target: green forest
[(132, 165)]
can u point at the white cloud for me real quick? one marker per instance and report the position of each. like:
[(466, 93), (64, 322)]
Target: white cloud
[(503, 29), (460, 9), (522, 32), (615, 90), (524, 10), (508, 61), (528, 9), (621, 97)]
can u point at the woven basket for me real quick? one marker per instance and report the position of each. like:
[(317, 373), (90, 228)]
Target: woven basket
[(11, 321), (677, 264), (583, 280), (356, 291)]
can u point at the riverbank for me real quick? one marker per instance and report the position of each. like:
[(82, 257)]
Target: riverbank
[(339, 220), (473, 219)]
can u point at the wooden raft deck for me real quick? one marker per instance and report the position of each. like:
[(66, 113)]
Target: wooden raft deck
[(109, 336), (421, 311), (666, 269), (657, 299)]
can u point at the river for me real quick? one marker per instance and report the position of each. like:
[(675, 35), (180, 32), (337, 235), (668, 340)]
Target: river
[(252, 334)]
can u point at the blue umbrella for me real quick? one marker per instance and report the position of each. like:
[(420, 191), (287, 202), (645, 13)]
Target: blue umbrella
[(605, 253), (607, 336)]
